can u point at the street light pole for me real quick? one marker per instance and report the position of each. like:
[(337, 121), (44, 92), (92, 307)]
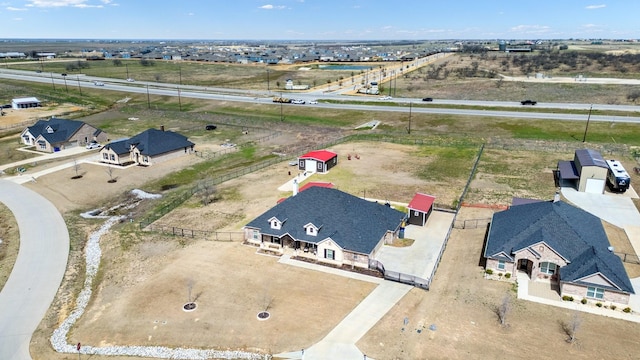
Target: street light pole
[(584, 138)]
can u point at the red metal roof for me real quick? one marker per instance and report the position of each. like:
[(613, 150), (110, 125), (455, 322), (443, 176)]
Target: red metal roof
[(316, 183), (422, 202), (322, 155)]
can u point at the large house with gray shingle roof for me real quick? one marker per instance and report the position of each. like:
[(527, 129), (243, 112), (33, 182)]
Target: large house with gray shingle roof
[(147, 148), (559, 242), (327, 225), (57, 134)]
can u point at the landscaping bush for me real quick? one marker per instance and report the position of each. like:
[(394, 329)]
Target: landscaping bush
[(599, 304), (584, 301), (627, 309), (507, 275), (612, 307), (567, 298), (499, 274), (489, 271)]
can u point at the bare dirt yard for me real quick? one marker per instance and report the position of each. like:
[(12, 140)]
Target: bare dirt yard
[(145, 278)]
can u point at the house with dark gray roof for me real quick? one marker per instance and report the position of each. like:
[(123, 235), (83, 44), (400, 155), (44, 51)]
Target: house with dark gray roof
[(57, 134), (326, 225), (559, 242), (150, 147)]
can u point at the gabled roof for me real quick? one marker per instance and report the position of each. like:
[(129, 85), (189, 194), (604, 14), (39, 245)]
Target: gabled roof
[(155, 142), (352, 223), (593, 261), (55, 130), (589, 157), (119, 147), (571, 232), (422, 202), (322, 155), (316, 183)]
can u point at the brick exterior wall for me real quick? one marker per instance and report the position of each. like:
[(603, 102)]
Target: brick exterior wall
[(546, 255), (579, 292)]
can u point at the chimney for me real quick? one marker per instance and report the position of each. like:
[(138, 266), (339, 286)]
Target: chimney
[(556, 197), (161, 127), (295, 187)]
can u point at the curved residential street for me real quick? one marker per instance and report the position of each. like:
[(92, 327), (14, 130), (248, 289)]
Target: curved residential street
[(38, 271)]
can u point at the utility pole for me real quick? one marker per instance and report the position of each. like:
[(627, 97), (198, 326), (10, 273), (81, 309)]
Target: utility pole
[(65, 84), (52, 82), (79, 88), (409, 128), (180, 73), (127, 67), (179, 100), (281, 101), (148, 99), (268, 85), (584, 138)]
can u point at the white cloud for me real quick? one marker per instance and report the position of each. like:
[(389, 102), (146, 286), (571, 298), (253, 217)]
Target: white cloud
[(11, 8), (63, 3), (591, 7), (271, 7), (17, 19), (530, 29)]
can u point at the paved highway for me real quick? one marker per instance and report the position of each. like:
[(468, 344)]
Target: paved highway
[(38, 270), (373, 102)]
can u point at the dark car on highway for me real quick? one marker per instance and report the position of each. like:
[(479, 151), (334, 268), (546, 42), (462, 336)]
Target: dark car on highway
[(528, 102), (427, 99)]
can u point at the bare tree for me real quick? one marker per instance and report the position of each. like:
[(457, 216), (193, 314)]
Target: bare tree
[(504, 309), (110, 173), (572, 326), (76, 168)]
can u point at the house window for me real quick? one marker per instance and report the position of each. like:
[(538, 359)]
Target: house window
[(275, 224), (145, 159), (595, 293), (105, 156), (548, 268), (416, 213), (275, 240), (113, 157), (501, 265), (255, 234), (329, 254)]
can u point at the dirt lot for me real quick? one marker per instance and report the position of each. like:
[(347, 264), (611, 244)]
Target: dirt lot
[(145, 280)]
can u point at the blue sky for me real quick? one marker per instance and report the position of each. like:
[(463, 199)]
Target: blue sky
[(319, 19)]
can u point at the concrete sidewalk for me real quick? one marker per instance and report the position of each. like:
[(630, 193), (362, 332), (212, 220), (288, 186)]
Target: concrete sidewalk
[(45, 156), (340, 342)]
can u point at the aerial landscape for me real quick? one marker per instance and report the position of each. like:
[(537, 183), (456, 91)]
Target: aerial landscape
[(319, 180)]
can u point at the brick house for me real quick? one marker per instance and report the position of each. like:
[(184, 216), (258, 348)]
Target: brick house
[(556, 241), (57, 134), (326, 225), (150, 147)]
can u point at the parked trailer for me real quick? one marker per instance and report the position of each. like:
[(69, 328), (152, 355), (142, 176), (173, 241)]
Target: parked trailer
[(281, 100), (618, 179)]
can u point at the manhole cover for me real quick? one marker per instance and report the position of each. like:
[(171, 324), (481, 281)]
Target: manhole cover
[(190, 306), (264, 315)]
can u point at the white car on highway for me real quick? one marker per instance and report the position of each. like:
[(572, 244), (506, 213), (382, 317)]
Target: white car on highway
[(385, 98)]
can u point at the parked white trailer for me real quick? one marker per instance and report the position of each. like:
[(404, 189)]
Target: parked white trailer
[(618, 179)]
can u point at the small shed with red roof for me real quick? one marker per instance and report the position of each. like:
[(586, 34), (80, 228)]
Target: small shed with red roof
[(317, 161), (420, 208)]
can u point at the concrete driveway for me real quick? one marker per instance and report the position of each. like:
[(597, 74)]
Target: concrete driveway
[(38, 271)]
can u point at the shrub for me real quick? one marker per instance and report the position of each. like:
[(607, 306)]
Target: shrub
[(499, 274), (489, 271), (507, 275), (584, 301), (612, 307), (567, 298), (599, 304), (627, 309)]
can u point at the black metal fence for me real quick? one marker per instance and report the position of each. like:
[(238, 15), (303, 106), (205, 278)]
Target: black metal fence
[(471, 223), (197, 234), (628, 258)]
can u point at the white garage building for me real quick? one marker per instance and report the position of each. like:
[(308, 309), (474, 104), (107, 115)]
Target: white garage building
[(587, 171)]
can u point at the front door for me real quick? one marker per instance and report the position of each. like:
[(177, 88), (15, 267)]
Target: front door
[(523, 265)]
